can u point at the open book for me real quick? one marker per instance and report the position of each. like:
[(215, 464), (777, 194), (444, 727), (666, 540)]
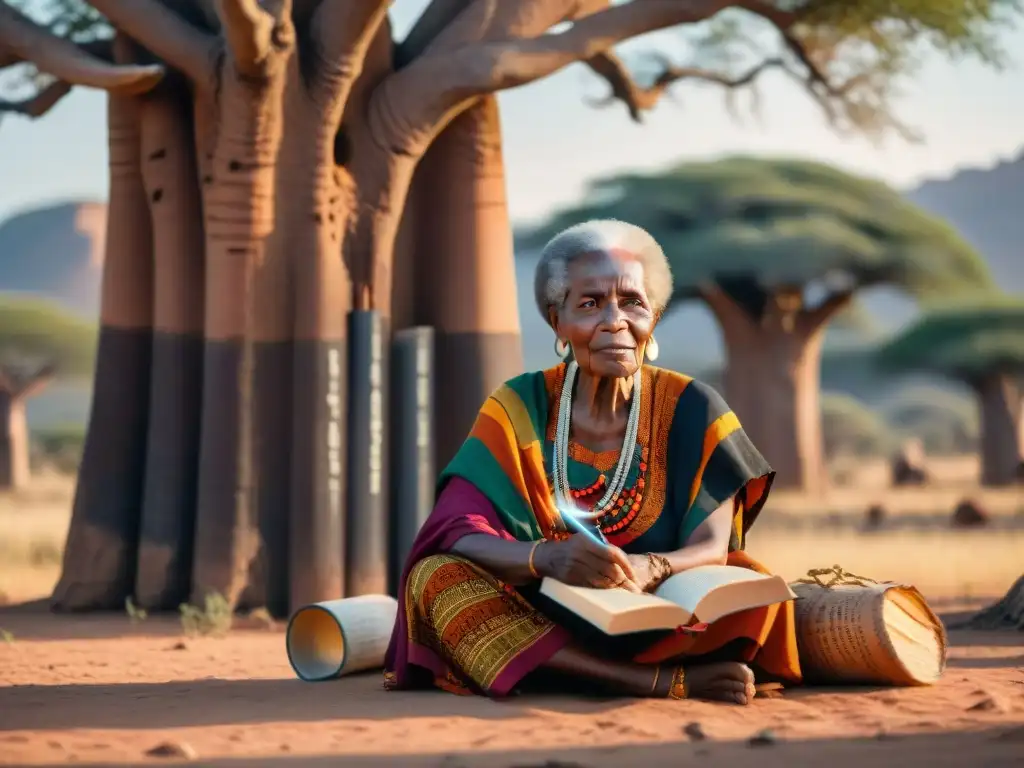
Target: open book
[(704, 594)]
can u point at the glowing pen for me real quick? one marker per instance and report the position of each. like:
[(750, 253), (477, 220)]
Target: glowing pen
[(593, 531)]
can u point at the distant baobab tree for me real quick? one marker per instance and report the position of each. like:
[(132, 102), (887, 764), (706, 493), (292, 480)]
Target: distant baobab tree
[(979, 344), (275, 165), (38, 342)]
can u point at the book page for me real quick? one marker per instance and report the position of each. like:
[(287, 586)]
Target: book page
[(615, 611), (688, 588), (610, 600)]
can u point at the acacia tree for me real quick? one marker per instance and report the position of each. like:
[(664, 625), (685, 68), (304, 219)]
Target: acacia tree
[(755, 239), (981, 345), (273, 181), (37, 342)]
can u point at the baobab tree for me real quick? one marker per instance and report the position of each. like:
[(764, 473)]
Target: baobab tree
[(752, 238), (980, 345), (37, 342), (295, 165)]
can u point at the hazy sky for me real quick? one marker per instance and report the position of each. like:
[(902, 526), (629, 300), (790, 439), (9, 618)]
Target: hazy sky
[(555, 141)]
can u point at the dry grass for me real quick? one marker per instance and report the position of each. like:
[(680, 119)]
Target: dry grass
[(796, 533), (33, 526), (947, 566)]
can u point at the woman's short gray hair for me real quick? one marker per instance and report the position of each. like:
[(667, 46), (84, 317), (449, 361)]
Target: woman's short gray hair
[(551, 281)]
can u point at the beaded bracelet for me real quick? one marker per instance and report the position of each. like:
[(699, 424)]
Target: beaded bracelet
[(677, 690), (660, 567)]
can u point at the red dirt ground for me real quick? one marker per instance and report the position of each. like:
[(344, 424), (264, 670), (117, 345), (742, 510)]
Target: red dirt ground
[(101, 691)]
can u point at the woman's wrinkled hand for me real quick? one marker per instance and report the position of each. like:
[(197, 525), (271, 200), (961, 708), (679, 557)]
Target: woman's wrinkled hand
[(644, 576), (584, 562), (649, 571)]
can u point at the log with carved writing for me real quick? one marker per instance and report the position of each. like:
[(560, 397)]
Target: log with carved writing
[(412, 441), (366, 546)]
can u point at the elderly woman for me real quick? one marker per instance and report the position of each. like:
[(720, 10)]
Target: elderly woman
[(653, 459)]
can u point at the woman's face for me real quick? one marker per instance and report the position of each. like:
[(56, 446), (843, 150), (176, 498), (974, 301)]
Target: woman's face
[(606, 316)]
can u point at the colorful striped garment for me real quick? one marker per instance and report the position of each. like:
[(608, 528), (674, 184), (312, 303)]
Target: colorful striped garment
[(465, 631)]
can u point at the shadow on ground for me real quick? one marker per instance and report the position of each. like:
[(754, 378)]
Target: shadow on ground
[(213, 701), (992, 748)]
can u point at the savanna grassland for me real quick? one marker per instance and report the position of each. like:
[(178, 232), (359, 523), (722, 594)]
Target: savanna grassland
[(916, 543)]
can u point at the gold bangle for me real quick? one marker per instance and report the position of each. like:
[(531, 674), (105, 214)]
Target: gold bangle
[(533, 551), (678, 688), (657, 674)]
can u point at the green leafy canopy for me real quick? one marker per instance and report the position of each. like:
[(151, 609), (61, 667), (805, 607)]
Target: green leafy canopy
[(755, 225), (34, 332), (852, 57), (964, 341)]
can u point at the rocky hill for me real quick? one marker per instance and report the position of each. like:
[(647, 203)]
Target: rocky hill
[(987, 206), (56, 251)]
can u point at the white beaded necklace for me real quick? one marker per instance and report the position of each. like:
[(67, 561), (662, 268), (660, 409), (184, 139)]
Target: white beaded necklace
[(560, 453)]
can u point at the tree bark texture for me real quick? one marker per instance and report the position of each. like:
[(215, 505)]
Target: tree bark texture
[(101, 551), (465, 273), (170, 175), (1000, 407)]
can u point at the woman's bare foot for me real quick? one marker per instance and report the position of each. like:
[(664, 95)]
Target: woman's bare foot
[(727, 681)]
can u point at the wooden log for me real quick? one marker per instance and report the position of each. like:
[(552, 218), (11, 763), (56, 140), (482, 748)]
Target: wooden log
[(413, 470), (366, 545)]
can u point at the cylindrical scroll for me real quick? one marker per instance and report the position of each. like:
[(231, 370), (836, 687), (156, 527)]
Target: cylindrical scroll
[(873, 634), (412, 441), (366, 551), (338, 637)]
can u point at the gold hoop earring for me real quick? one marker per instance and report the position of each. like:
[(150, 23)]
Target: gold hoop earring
[(651, 350), (562, 348)]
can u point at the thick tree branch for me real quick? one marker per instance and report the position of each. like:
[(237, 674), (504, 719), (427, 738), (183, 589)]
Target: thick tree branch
[(815, 318), (440, 85), (491, 21), (101, 49), (639, 99), (66, 61), (165, 33), (41, 103), (19, 383), (252, 31), (435, 19), (730, 314), (32, 385), (344, 30)]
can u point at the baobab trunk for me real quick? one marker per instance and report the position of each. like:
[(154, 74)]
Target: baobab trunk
[(772, 382), (101, 550), (313, 207), (14, 441), (466, 282), (167, 526), (16, 387), (999, 401), (239, 216)]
